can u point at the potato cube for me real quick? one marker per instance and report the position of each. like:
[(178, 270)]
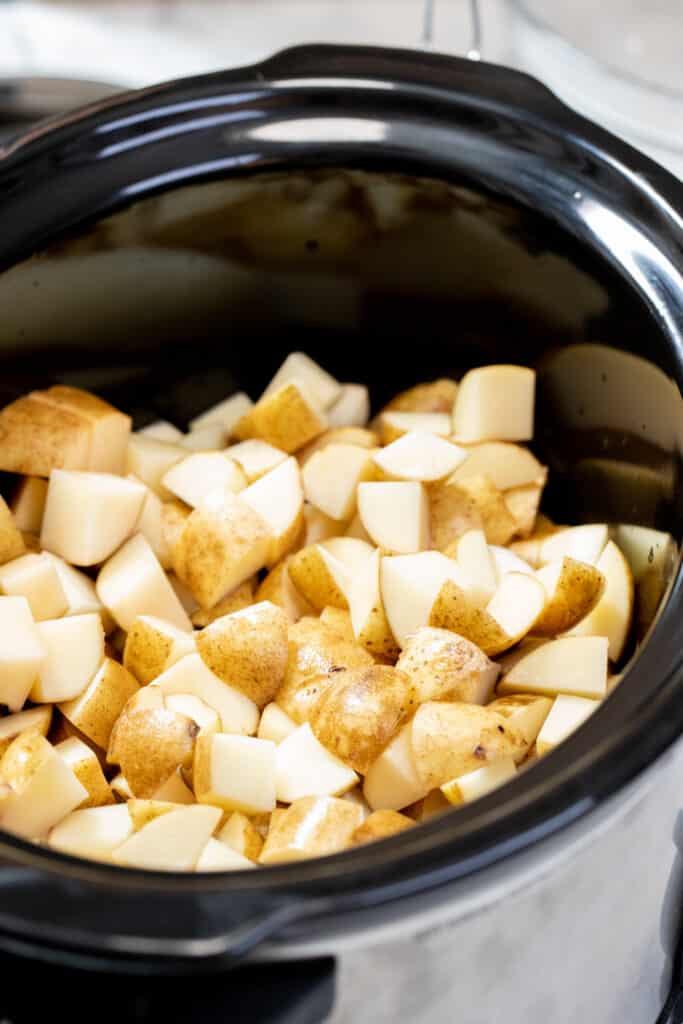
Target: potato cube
[(301, 369), (424, 458), (279, 588), (574, 665), (45, 788), (479, 782), (239, 834), (305, 768), (274, 725), (566, 715), (92, 833), (495, 403), (392, 782), (28, 504), (193, 478), (148, 460), (332, 475), (219, 857), (87, 769), (89, 515), (37, 437), (379, 825), (287, 419), (172, 842), (190, 675), (255, 457), (35, 719), (351, 408), (227, 413), (79, 590), (236, 773), (132, 583), (174, 790), (153, 645), (311, 827), (95, 711), (35, 578), (396, 515), (75, 651), (23, 653), (11, 542), (109, 428), (154, 525), (278, 499), (445, 666)]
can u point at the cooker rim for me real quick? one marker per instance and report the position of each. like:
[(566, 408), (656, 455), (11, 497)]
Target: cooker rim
[(636, 723)]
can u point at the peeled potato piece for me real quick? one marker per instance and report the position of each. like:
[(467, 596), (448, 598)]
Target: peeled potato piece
[(236, 773), (566, 715), (575, 665), (351, 408), (305, 767), (132, 583), (583, 543), (219, 857), (194, 477), (445, 666), (419, 456), (208, 439), (361, 437), (396, 515), (92, 833), (495, 403), (275, 724), (148, 460), (160, 430), (171, 842), (311, 827), (331, 477), (453, 739), (278, 499), (379, 825), (35, 578), (43, 787), (612, 614), (473, 555), (573, 589), (256, 458), (286, 418), (74, 652), (392, 781)]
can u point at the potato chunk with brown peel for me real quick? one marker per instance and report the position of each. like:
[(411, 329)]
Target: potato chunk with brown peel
[(249, 650), (475, 500), (222, 544), (278, 588), (525, 711), (445, 666), (149, 744), (452, 739), (153, 645), (236, 773), (573, 589), (361, 711), (286, 418), (11, 542), (87, 769), (192, 676), (33, 720), (240, 835), (299, 368), (239, 598), (433, 396), (43, 787), (278, 498), (37, 437), (379, 825), (369, 620), (479, 782), (95, 711), (311, 827), (611, 616), (109, 428)]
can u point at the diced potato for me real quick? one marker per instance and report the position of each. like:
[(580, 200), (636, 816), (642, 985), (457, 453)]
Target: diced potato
[(525, 711), (420, 457), (256, 458), (274, 725), (87, 769), (573, 589), (172, 842), (319, 577), (472, 503), (11, 542), (35, 578), (300, 369), (95, 711), (450, 740), (396, 515), (44, 788), (236, 773), (240, 835), (143, 811), (132, 583), (278, 500), (286, 418), (209, 438), (395, 424), (28, 504), (582, 543), (392, 782), (23, 653), (361, 437), (219, 857), (575, 665), (410, 584), (161, 430), (445, 666), (351, 408), (227, 413), (237, 712), (495, 403), (121, 789), (239, 598), (480, 781), (379, 825), (37, 437), (368, 616), (311, 827), (192, 707), (331, 477), (74, 652), (79, 590), (248, 649), (611, 616), (92, 833), (221, 545), (35, 719), (279, 588), (188, 601), (193, 478), (151, 524), (433, 396), (153, 645), (148, 744), (110, 429), (339, 620), (523, 504), (506, 465), (148, 460), (473, 555), (173, 790), (304, 767), (566, 715)]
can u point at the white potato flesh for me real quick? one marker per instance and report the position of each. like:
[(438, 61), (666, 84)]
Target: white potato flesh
[(517, 603), (132, 583), (161, 430), (298, 368), (210, 438), (396, 515), (505, 561), (575, 665), (35, 578), (75, 651), (331, 477), (236, 773), (190, 675), (89, 515), (479, 782), (173, 790), (216, 856), (278, 499), (256, 457), (526, 712), (409, 586), (311, 827), (305, 768), (94, 832), (475, 558), (394, 424), (28, 504), (582, 543), (151, 525), (13, 725), (612, 615), (148, 460), (274, 725), (192, 707), (643, 548), (227, 413), (506, 465), (193, 478), (566, 715), (171, 842), (23, 652), (351, 408), (79, 590), (392, 782), (419, 456), (495, 403), (52, 792)]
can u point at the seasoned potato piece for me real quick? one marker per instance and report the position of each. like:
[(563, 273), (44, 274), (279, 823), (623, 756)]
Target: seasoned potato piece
[(525, 711), (361, 711), (379, 825), (311, 827), (445, 666), (109, 428), (573, 589), (149, 744), (286, 418)]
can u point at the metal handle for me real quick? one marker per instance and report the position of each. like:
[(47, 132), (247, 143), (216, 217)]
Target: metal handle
[(473, 51)]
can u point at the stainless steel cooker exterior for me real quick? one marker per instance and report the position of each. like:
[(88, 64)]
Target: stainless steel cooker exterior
[(559, 899)]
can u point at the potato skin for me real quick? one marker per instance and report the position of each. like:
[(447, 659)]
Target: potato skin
[(11, 541), (361, 711), (578, 589), (445, 666), (284, 419), (379, 825), (313, 580), (149, 744), (433, 396)]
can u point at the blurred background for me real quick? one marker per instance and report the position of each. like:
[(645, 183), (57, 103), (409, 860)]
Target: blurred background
[(619, 61)]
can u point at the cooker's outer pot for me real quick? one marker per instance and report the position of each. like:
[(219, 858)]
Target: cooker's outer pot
[(579, 853)]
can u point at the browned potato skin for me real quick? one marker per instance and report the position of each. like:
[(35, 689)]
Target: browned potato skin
[(315, 653), (443, 665), (453, 611), (149, 744), (379, 825), (11, 541), (312, 579), (361, 711), (283, 419), (37, 437), (432, 396), (249, 651), (451, 739), (579, 588), (239, 598)]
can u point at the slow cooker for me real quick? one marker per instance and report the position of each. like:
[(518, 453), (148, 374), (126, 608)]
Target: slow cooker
[(397, 216)]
